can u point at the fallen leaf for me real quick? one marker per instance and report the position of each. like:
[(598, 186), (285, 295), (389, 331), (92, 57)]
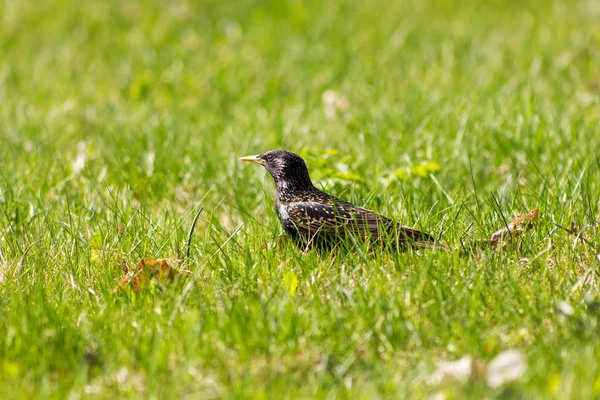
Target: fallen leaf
[(459, 370), (515, 227), (149, 270), (507, 366)]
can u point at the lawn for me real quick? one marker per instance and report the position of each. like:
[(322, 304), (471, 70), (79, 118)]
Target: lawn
[(120, 121)]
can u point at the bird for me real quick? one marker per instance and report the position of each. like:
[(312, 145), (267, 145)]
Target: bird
[(313, 218)]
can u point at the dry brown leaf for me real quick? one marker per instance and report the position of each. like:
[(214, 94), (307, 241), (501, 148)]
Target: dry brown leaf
[(146, 271), (515, 227)]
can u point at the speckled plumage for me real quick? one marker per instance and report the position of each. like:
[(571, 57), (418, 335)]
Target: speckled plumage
[(312, 217)]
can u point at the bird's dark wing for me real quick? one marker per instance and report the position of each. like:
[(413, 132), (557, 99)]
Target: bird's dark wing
[(312, 218)]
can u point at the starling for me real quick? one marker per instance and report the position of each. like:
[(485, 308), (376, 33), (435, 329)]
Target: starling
[(314, 218)]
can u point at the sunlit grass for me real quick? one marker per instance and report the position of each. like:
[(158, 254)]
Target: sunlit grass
[(119, 121)]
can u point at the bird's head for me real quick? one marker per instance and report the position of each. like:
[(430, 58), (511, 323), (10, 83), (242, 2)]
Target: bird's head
[(287, 169)]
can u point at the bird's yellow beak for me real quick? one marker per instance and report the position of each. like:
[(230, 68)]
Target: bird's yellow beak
[(254, 159)]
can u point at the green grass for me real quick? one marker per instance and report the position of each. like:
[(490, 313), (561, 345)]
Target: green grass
[(119, 120)]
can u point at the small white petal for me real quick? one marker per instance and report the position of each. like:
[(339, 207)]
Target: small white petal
[(565, 308), (507, 366), (458, 370)]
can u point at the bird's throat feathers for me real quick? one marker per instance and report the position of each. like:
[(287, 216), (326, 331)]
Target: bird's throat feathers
[(282, 184), (287, 191)]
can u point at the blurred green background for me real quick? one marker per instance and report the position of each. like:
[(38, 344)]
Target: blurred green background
[(494, 81)]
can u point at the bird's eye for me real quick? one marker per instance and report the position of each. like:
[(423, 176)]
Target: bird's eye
[(269, 157)]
